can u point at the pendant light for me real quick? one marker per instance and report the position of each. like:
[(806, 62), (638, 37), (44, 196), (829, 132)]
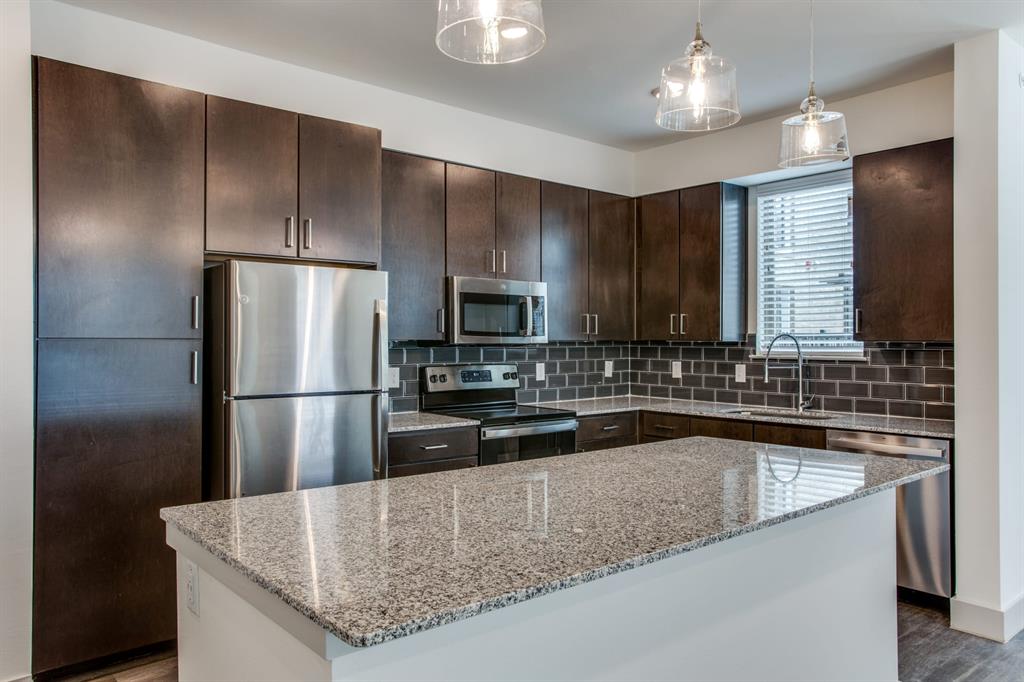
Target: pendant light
[(815, 136), (698, 90), (490, 31)]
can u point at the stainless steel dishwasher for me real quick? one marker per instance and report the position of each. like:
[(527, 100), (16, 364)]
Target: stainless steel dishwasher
[(924, 540)]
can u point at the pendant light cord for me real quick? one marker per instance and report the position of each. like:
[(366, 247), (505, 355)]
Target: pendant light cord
[(812, 43)]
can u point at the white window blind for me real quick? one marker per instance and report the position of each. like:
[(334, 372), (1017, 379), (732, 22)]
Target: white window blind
[(805, 265)]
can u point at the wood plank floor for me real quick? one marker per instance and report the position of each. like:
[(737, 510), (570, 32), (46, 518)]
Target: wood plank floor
[(929, 652)]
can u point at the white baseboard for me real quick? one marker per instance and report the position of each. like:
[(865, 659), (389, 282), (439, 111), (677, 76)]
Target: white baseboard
[(984, 621)]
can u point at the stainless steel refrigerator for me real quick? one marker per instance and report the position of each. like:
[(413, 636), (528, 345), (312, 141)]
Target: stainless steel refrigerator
[(296, 377)]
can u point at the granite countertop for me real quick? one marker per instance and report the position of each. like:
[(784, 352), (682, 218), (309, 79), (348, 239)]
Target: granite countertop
[(372, 562), (927, 428), (422, 421)]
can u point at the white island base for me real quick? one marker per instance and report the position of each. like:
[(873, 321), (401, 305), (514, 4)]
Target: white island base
[(813, 598)]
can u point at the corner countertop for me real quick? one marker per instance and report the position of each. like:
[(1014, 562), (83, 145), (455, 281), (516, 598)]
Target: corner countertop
[(424, 421), (372, 562), (926, 428)]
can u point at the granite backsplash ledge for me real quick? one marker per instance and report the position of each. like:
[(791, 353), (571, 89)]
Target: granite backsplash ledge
[(897, 379), (573, 370)]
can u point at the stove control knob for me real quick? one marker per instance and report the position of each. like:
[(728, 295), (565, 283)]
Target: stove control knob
[(444, 379)]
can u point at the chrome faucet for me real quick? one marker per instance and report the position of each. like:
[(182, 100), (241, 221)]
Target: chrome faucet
[(801, 402)]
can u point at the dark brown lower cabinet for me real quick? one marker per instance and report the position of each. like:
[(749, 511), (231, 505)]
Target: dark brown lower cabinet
[(425, 452), (721, 428), (797, 436), (603, 431), (664, 426), (117, 438)]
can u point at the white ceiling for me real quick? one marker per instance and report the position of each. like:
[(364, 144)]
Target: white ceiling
[(593, 78)]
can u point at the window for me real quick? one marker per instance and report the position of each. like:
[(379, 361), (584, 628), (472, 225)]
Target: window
[(805, 265)]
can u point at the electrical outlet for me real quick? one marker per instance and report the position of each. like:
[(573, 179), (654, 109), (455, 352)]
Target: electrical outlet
[(677, 369), (608, 367), (540, 371), (394, 377), (192, 586), (741, 373)]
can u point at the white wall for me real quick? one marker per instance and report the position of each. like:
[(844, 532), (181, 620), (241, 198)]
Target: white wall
[(988, 231), (905, 114), (408, 123), (16, 333)]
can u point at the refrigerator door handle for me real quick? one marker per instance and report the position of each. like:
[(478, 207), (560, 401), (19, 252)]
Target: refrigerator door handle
[(380, 436), (380, 309)]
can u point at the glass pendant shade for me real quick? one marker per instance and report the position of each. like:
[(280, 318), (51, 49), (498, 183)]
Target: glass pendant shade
[(698, 91), (815, 136), (490, 31)]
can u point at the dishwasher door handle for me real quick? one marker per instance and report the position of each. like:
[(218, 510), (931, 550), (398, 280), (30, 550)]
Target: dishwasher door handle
[(884, 448)]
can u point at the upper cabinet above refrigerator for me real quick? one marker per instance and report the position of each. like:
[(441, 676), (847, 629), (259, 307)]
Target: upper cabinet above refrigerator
[(289, 185)]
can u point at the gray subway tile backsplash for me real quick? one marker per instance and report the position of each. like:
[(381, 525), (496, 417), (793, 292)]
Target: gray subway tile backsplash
[(898, 379)]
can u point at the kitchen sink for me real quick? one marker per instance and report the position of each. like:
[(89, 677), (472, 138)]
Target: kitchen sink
[(793, 414)]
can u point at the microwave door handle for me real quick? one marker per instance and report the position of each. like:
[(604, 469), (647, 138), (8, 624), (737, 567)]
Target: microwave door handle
[(527, 304)]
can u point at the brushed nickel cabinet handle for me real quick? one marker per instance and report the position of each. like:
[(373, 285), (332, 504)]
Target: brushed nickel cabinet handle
[(672, 324), (194, 367), (596, 332), (613, 427), (504, 262), (440, 320), (195, 312), (585, 324), (433, 447), (308, 236), (289, 232), (492, 260), (682, 324), (856, 321)]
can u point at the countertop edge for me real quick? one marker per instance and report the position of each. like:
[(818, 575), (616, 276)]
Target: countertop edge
[(445, 617)]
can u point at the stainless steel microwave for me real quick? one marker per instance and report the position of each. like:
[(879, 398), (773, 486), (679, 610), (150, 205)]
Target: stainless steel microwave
[(485, 310)]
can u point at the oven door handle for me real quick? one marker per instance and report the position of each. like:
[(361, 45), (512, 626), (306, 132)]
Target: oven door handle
[(529, 430)]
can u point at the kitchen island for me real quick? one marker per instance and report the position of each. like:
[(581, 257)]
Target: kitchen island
[(697, 559)]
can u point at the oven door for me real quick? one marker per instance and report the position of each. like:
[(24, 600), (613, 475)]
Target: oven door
[(497, 311), (500, 444)]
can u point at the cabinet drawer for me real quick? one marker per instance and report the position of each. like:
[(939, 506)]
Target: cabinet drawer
[(432, 467), (428, 446), (665, 425), (797, 436), (721, 428), (605, 426)]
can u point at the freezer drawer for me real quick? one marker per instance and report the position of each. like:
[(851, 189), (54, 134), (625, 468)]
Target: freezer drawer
[(924, 534), (293, 443), (305, 329)]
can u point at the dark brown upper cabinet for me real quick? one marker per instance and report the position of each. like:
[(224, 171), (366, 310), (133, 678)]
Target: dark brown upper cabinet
[(470, 248), (120, 205), (252, 178), (903, 243), (657, 258), (412, 245), (565, 259), (518, 227), (339, 191), (692, 264), (118, 437), (611, 266)]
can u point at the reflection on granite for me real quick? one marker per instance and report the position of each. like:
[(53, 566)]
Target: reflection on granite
[(927, 428), (371, 562), (422, 421)]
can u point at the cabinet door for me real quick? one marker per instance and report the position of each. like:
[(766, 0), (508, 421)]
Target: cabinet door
[(412, 249), (252, 178), (470, 248), (721, 428), (903, 243), (611, 266), (658, 267), (796, 436), (118, 437), (120, 204), (700, 260), (564, 259), (518, 227), (339, 191)]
